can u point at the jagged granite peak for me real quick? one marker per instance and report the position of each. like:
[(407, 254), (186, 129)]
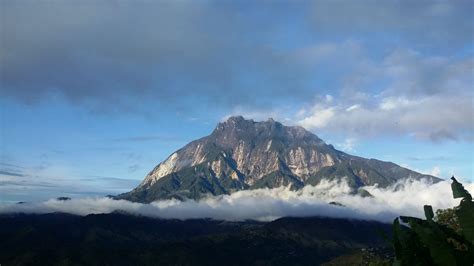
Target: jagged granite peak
[(236, 129), (244, 154)]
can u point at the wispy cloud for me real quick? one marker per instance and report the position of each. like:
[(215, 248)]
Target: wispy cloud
[(428, 158), (11, 165), (348, 145), (436, 171), (147, 138), (3, 172), (28, 187)]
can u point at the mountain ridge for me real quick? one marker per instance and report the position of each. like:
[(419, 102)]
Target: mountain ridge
[(243, 154)]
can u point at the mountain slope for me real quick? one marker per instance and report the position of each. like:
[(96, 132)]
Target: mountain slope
[(243, 154)]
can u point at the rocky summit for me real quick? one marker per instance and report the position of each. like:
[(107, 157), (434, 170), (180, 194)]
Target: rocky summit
[(243, 154)]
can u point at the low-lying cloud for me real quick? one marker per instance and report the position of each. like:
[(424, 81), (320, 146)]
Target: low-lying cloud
[(403, 198)]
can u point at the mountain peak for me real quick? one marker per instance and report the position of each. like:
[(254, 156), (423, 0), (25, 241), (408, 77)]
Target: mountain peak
[(237, 128), (232, 123), (240, 121), (236, 119), (270, 120)]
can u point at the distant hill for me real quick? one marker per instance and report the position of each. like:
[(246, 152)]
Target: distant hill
[(120, 239), (243, 154)]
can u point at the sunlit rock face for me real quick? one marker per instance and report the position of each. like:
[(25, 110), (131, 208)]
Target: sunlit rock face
[(244, 154)]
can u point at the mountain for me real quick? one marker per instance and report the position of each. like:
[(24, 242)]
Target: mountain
[(243, 154)]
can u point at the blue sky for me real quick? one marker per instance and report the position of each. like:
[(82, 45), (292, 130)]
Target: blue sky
[(94, 94)]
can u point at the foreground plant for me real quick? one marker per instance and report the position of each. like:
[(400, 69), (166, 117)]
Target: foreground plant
[(446, 240)]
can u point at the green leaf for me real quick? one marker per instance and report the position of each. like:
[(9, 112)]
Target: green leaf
[(459, 191), (465, 210), (434, 239), (465, 214), (397, 245), (428, 212), (408, 248)]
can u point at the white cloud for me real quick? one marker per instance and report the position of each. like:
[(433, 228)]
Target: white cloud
[(348, 145), (436, 171), (390, 103), (435, 118), (403, 198), (329, 98), (353, 107), (427, 97), (320, 117)]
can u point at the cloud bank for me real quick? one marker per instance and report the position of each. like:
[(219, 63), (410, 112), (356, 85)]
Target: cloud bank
[(114, 54), (404, 198)]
